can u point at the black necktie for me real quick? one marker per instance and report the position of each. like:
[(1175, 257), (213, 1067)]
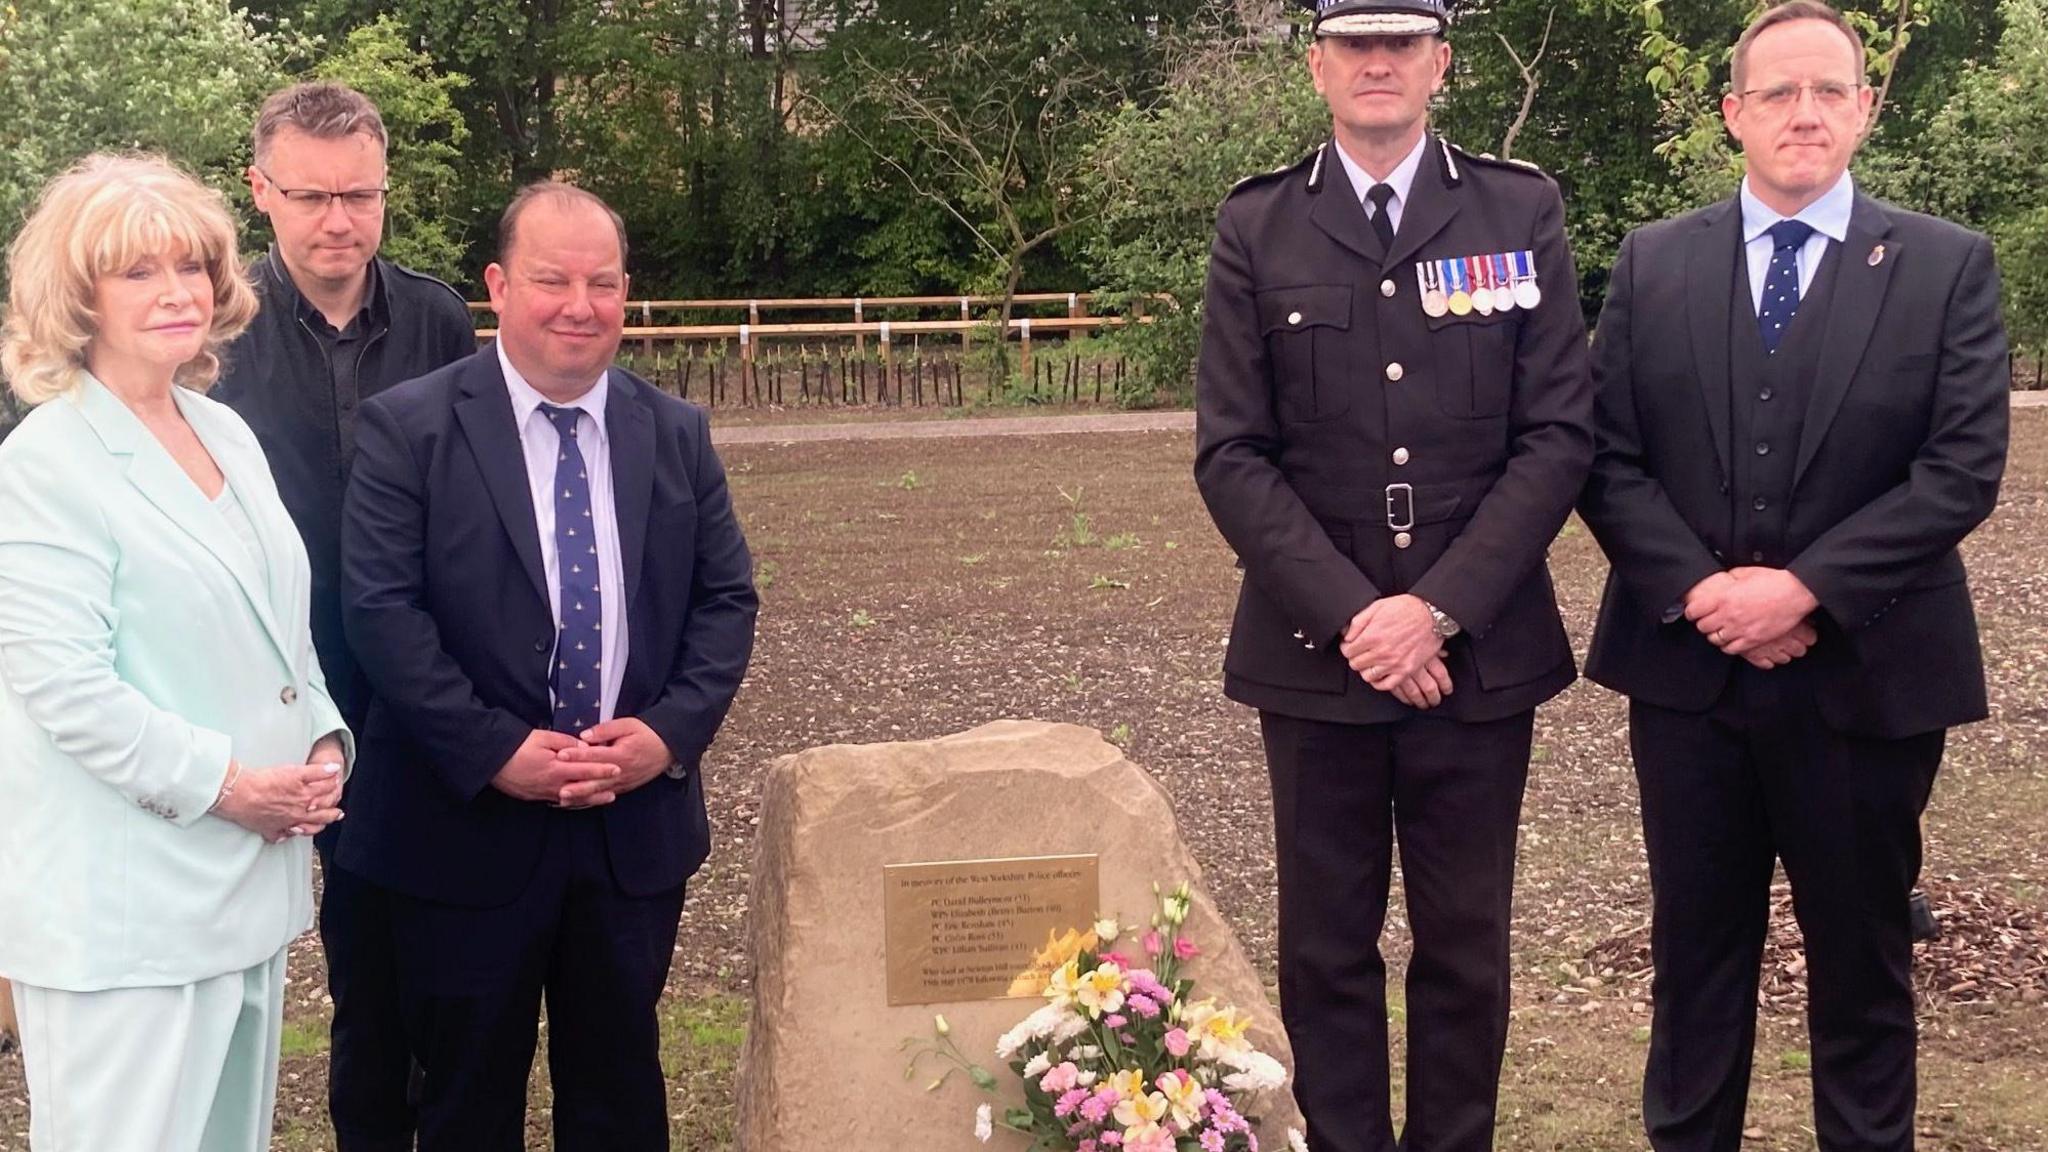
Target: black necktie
[(1781, 283), (1382, 220)]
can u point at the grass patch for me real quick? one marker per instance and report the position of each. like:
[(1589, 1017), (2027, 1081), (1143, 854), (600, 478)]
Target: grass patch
[(303, 1038)]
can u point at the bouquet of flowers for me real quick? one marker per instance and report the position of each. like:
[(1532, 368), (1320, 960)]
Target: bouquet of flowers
[(1122, 1056)]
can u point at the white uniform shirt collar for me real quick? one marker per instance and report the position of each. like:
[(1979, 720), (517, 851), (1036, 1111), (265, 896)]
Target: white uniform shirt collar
[(1401, 179), (526, 400), (1828, 215)]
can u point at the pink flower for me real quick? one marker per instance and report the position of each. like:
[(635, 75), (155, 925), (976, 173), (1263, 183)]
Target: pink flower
[(1126, 1037), (1069, 1101), (1114, 1021), (1153, 945), (1212, 1141), (1222, 1116), (1177, 1042), (1121, 961), (1184, 949), (1087, 1145), (1112, 1139), (1097, 1107), (1144, 1006), (1144, 983), (1060, 1079)]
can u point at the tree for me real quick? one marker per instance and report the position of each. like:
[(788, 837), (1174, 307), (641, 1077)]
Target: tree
[(1234, 105), (426, 132), (181, 77), (1000, 153), (1980, 159)]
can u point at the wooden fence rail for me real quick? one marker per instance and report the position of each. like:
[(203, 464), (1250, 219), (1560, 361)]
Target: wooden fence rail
[(1076, 302), (884, 331)]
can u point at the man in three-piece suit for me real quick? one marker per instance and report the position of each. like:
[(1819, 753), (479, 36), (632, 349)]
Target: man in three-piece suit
[(543, 577), (1802, 412), (1394, 414)]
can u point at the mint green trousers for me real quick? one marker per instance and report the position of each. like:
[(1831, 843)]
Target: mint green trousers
[(189, 1068)]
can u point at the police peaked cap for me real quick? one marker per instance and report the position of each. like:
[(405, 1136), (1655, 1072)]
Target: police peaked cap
[(1381, 17)]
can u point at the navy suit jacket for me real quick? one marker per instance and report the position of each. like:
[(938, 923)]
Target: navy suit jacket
[(446, 608), (1900, 456)]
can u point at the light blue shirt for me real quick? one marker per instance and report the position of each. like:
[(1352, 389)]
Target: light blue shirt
[(1828, 216), (1401, 179), (543, 449)]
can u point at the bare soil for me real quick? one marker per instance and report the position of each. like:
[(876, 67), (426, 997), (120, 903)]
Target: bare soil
[(917, 587)]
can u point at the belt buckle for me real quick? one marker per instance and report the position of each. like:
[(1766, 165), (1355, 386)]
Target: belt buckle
[(1396, 522)]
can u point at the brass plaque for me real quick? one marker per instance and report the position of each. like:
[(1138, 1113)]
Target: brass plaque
[(984, 929)]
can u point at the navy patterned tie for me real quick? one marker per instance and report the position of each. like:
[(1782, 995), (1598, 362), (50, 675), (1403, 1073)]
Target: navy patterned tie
[(579, 668), (1781, 285)]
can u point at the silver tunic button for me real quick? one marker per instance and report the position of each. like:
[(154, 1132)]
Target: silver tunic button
[(1395, 372), (1400, 455), (1403, 539), (1387, 288), (1294, 317), (289, 696)]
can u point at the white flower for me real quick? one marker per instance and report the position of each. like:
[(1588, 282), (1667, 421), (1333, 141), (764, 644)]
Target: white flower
[(1256, 1071), (1086, 1079), (984, 1124), (1106, 930), (1296, 1142), (1087, 1052), (1037, 1066), (1036, 1026)]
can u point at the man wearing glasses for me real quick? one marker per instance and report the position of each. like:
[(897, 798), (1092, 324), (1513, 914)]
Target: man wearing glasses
[(338, 325), (1802, 412)]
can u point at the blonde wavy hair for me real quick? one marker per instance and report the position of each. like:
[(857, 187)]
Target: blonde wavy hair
[(100, 217)]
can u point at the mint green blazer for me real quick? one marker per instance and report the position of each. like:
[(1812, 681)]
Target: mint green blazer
[(140, 649)]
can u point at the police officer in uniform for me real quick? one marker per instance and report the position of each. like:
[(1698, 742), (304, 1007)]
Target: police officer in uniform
[(1394, 416)]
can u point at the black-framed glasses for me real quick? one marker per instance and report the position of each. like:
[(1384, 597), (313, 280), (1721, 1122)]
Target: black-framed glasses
[(1832, 95), (361, 202)]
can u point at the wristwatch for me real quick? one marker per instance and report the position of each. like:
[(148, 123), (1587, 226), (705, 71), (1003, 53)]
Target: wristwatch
[(1445, 626)]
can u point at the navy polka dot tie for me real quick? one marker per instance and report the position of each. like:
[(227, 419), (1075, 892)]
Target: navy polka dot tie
[(579, 667), (1781, 285)]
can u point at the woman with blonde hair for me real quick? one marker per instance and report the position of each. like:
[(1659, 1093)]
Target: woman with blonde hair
[(166, 739)]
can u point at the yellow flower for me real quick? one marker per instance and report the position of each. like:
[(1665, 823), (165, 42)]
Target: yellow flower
[(1065, 985), (1217, 1029), (1128, 1083), (1059, 949), (1183, 1093), (1101, 991), (1142, 1109)]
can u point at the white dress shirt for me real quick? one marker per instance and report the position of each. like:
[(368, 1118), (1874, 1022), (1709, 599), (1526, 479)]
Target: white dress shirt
[(1401, 179), (1828, 216), (543, 447)]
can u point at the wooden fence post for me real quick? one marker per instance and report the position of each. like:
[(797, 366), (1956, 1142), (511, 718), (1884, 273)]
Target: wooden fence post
[(747, 362)]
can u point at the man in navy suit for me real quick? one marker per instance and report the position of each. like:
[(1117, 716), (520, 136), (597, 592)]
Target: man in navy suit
[(1803, 410), (544, 579)]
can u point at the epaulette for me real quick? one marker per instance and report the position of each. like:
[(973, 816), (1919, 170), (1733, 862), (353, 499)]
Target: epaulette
[(1313, 159), (1489, 160)]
